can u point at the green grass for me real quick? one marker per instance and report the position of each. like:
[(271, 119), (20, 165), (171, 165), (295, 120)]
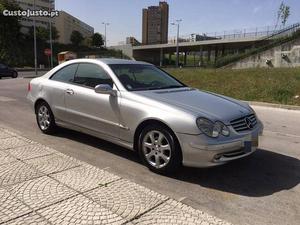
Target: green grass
[(264, 85)]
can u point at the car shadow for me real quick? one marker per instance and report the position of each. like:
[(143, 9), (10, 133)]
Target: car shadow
[(97, 143), (261, 174)]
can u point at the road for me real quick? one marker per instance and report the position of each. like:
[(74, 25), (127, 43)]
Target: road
[(261, 189)]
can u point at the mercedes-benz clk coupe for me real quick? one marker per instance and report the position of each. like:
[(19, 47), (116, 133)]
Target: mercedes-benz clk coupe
[(142, 108)]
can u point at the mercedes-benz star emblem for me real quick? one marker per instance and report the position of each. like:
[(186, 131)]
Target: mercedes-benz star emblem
[(248, 123)]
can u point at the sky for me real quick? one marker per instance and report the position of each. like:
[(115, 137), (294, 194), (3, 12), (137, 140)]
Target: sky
[(198, 16)]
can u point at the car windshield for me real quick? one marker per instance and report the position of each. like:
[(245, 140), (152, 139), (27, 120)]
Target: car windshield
[(138, 77)]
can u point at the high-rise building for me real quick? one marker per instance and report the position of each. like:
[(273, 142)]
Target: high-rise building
[(155, 24), (27, 22), (66, 24)]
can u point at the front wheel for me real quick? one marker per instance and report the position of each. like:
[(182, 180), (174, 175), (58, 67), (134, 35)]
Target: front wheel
[(159, 149), (45, 118)]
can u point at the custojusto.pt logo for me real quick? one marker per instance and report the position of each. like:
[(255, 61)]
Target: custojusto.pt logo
[(31, 13)]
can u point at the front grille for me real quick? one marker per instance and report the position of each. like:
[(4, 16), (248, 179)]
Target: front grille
[(240, 124)]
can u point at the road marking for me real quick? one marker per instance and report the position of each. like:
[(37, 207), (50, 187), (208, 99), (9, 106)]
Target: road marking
[(282, 134), (6, 99)]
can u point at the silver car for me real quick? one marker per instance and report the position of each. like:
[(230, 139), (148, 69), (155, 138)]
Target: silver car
[(142, 108)]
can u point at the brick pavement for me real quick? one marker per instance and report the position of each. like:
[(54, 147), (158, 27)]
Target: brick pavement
[(39, 185)]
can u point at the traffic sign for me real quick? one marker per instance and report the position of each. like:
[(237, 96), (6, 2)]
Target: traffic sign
[(47, 52)]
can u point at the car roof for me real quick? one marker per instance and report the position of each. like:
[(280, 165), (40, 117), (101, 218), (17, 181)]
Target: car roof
[(121, 61), (107, 61)]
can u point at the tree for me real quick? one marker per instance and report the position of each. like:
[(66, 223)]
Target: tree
[(42, 33), (10, 35), (283, 13), (97, 40), (76, 38)]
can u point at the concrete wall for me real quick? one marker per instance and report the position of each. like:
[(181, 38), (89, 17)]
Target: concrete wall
[(286, 55), (126, 49)]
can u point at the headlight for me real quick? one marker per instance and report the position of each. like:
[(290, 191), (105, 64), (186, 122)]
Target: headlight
[(212, 129)]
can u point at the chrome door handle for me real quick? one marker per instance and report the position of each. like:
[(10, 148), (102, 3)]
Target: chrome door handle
[(70, 91)]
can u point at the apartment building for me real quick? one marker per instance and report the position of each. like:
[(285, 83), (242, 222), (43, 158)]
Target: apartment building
[(66, 24), (155, 24), (27, 22)]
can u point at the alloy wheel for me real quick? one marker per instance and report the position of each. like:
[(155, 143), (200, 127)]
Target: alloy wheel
[(44, 118), (156, 149)]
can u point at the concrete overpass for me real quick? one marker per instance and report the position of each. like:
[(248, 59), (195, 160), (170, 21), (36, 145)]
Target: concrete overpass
[(218, 46), (210, 48)]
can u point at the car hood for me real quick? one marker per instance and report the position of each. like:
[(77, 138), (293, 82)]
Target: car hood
[(201, 103)]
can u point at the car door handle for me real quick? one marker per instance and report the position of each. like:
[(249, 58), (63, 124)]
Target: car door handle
[(70, 91)]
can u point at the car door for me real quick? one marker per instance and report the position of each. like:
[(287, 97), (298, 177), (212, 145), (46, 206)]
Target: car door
[(88, 109), (56, 88), (4, 72)]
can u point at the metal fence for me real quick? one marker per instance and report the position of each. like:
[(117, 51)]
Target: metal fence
[(258, 32)]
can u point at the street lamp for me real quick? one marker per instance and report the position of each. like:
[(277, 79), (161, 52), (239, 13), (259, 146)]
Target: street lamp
[(177, 41), (50, 35), (34, 41), (105, 24)]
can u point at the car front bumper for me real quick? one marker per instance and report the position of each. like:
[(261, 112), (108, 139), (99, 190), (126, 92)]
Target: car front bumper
[(203, 151)]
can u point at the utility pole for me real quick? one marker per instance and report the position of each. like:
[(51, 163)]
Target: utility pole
[(105, 24), (50, 36), (177, 41), (34, 41)]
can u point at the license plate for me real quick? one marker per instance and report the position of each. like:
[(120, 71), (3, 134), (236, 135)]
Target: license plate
[(255, 142), (249, 144)]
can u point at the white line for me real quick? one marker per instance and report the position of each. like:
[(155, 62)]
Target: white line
[(282, 134)]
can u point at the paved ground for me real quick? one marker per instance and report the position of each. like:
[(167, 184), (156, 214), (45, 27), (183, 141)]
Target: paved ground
[(261, 189), (41, 185)]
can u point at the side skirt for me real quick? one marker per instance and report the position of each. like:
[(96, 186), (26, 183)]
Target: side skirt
[(105, 137)]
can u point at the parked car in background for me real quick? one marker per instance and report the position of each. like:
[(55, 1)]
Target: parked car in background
[(141, 107), (6, 71)]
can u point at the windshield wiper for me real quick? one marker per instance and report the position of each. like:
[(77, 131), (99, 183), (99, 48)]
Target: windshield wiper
[(172, 86), (157, 88)]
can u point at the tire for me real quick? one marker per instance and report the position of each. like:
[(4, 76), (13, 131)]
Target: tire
[(159, 149), (14, 75), (45, 118)]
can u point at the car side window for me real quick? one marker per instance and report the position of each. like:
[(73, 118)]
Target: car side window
[(65, 74), (2, 66), (91, 75)]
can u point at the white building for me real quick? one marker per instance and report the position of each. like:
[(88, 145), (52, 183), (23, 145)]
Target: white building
[(27, 22), (66, 24)]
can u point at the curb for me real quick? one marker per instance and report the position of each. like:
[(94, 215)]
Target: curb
[(273, 105)]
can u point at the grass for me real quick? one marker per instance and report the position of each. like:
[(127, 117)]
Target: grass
[(276, 85)]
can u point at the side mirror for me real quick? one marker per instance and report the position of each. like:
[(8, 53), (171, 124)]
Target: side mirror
[(105, 89)]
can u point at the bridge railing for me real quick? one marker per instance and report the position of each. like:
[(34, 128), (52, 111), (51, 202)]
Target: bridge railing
[(258, 32)]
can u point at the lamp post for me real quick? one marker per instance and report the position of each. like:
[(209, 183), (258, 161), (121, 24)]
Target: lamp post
[(177, 41), (105, 24), (34, 41), (50, 35)]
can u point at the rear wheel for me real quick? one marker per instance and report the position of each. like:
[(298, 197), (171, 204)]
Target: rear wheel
[(14, 75), (159, 149), (45, 118)]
